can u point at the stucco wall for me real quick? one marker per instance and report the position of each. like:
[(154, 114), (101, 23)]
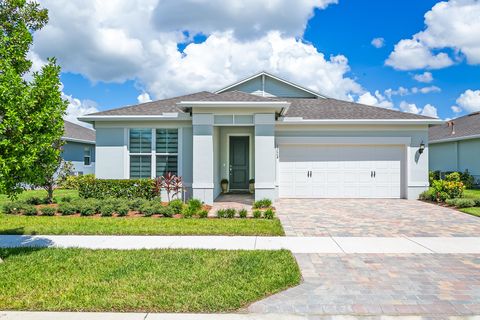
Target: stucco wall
[(456, 156), (74, 151)]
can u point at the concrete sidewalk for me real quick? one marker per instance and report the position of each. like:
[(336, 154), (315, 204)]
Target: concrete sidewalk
[(386, 245)]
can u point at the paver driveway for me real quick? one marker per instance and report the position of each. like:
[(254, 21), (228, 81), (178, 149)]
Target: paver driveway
[(373, 218), (430, 285)]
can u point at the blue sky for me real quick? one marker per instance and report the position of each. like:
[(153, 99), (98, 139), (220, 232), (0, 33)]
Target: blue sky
[(345, 29)]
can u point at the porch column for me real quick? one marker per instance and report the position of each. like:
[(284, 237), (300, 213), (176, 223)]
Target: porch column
[(264, 156), (202, 184)]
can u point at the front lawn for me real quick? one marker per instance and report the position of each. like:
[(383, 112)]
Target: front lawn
[(472, 193), (16, 224), (141, 280), (474, 211), (58, 193)]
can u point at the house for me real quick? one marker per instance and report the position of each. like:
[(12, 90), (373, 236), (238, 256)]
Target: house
[(79, 148), (293, 141), (455, 146)]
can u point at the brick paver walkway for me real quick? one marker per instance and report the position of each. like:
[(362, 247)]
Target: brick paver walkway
[(373, 218), (374, 284)]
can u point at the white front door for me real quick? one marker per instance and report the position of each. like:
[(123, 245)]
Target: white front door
[(325, 171)]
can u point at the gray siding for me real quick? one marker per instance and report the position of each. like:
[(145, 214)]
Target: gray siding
[(272, 87)]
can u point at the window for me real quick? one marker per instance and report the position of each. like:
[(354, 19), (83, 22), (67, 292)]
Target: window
[(162, 159), (166, 151), (87, 153), (140, 153)]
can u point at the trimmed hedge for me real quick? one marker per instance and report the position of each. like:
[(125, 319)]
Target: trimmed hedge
[(129, 189)]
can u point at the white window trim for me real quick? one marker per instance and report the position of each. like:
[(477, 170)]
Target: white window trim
[(89, 157), (153, 152)]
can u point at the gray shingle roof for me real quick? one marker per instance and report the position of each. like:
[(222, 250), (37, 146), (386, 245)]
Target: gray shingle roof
[(329, 108), (465, 126), (316, 108), (75, 131), (156, 107)]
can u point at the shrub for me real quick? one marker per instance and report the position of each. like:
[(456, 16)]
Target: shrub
[(263, 203), (67, 209), (122, 210), (107, 210), (136, 204), (477, 202), (257, 214), (242, 213), (188, 212), (88, 207), (34, 200), (176, 205), (105, 188), (230, 213), (167, 212), (428, 195), (447, 189), (269, 214), (467, 179), (221, 213), (147, 209), (463, 203), (48, 211), (195, 204), (433, 175), (454, 176), (29, 210), (73, 182), (13, 207), (66, 199), (203, 214)]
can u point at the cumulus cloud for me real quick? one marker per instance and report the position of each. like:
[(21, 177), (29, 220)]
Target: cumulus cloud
[(469, 100), (247, 19), (428, 110), (77, 108), (456, 109), (144, 97), (402, 91), (426, 90), (378, 42), (117, 41), (425, 77), (377, 100), (450, 24)]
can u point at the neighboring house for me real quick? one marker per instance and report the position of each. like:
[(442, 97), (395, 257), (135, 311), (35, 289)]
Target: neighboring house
[(79, 148), (455, 146), (293, 141)]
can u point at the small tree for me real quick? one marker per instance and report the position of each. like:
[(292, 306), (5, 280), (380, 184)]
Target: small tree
[(171, 183)]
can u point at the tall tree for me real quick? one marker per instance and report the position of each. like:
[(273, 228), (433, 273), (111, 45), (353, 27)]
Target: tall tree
[(31, 113)]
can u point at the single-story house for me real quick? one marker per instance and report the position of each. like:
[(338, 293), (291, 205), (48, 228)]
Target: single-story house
[(79, 148), (293, 141), (455, 145)]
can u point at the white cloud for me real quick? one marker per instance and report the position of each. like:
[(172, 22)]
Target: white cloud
[(378, 42), (456, 109), (117, 41), (425, 77), (410, 54), (77, 108), (426, 90), (247, 18), (377, 100), (469, 100), (449, 24), (144, 97), (401, 91), (409, 107), (428, 110)]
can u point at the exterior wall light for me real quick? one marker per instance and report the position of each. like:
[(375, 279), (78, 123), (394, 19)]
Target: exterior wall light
[(422, 147)]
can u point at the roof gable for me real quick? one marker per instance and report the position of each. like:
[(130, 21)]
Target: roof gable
[(75, 132), (267, 85)]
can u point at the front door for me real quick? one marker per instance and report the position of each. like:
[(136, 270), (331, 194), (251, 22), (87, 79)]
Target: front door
[(239, 163)]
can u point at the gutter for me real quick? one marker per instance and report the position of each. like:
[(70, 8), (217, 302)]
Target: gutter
[(165, 116), (475, 136), (78, 140), (299, 120)]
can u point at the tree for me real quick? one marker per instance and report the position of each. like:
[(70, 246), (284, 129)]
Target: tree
[(31, 123)]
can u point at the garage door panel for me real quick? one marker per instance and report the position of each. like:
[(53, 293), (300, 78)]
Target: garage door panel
[(340, 171)]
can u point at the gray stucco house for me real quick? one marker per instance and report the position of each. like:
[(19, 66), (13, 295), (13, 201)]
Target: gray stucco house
[(295, 143), (79, 148), (455, 146)]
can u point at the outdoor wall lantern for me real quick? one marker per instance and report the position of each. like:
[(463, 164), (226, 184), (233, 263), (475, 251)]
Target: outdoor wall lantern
[(422, 147)]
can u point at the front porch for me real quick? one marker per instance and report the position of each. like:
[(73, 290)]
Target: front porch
[(238, 152)]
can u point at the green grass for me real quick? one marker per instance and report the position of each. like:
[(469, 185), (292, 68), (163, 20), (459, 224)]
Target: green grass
[(472, 193), (141, 280), (474, 211), (15, 224), (41, 194)]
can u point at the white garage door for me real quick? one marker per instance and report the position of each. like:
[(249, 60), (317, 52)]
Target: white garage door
[(321, 171)]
